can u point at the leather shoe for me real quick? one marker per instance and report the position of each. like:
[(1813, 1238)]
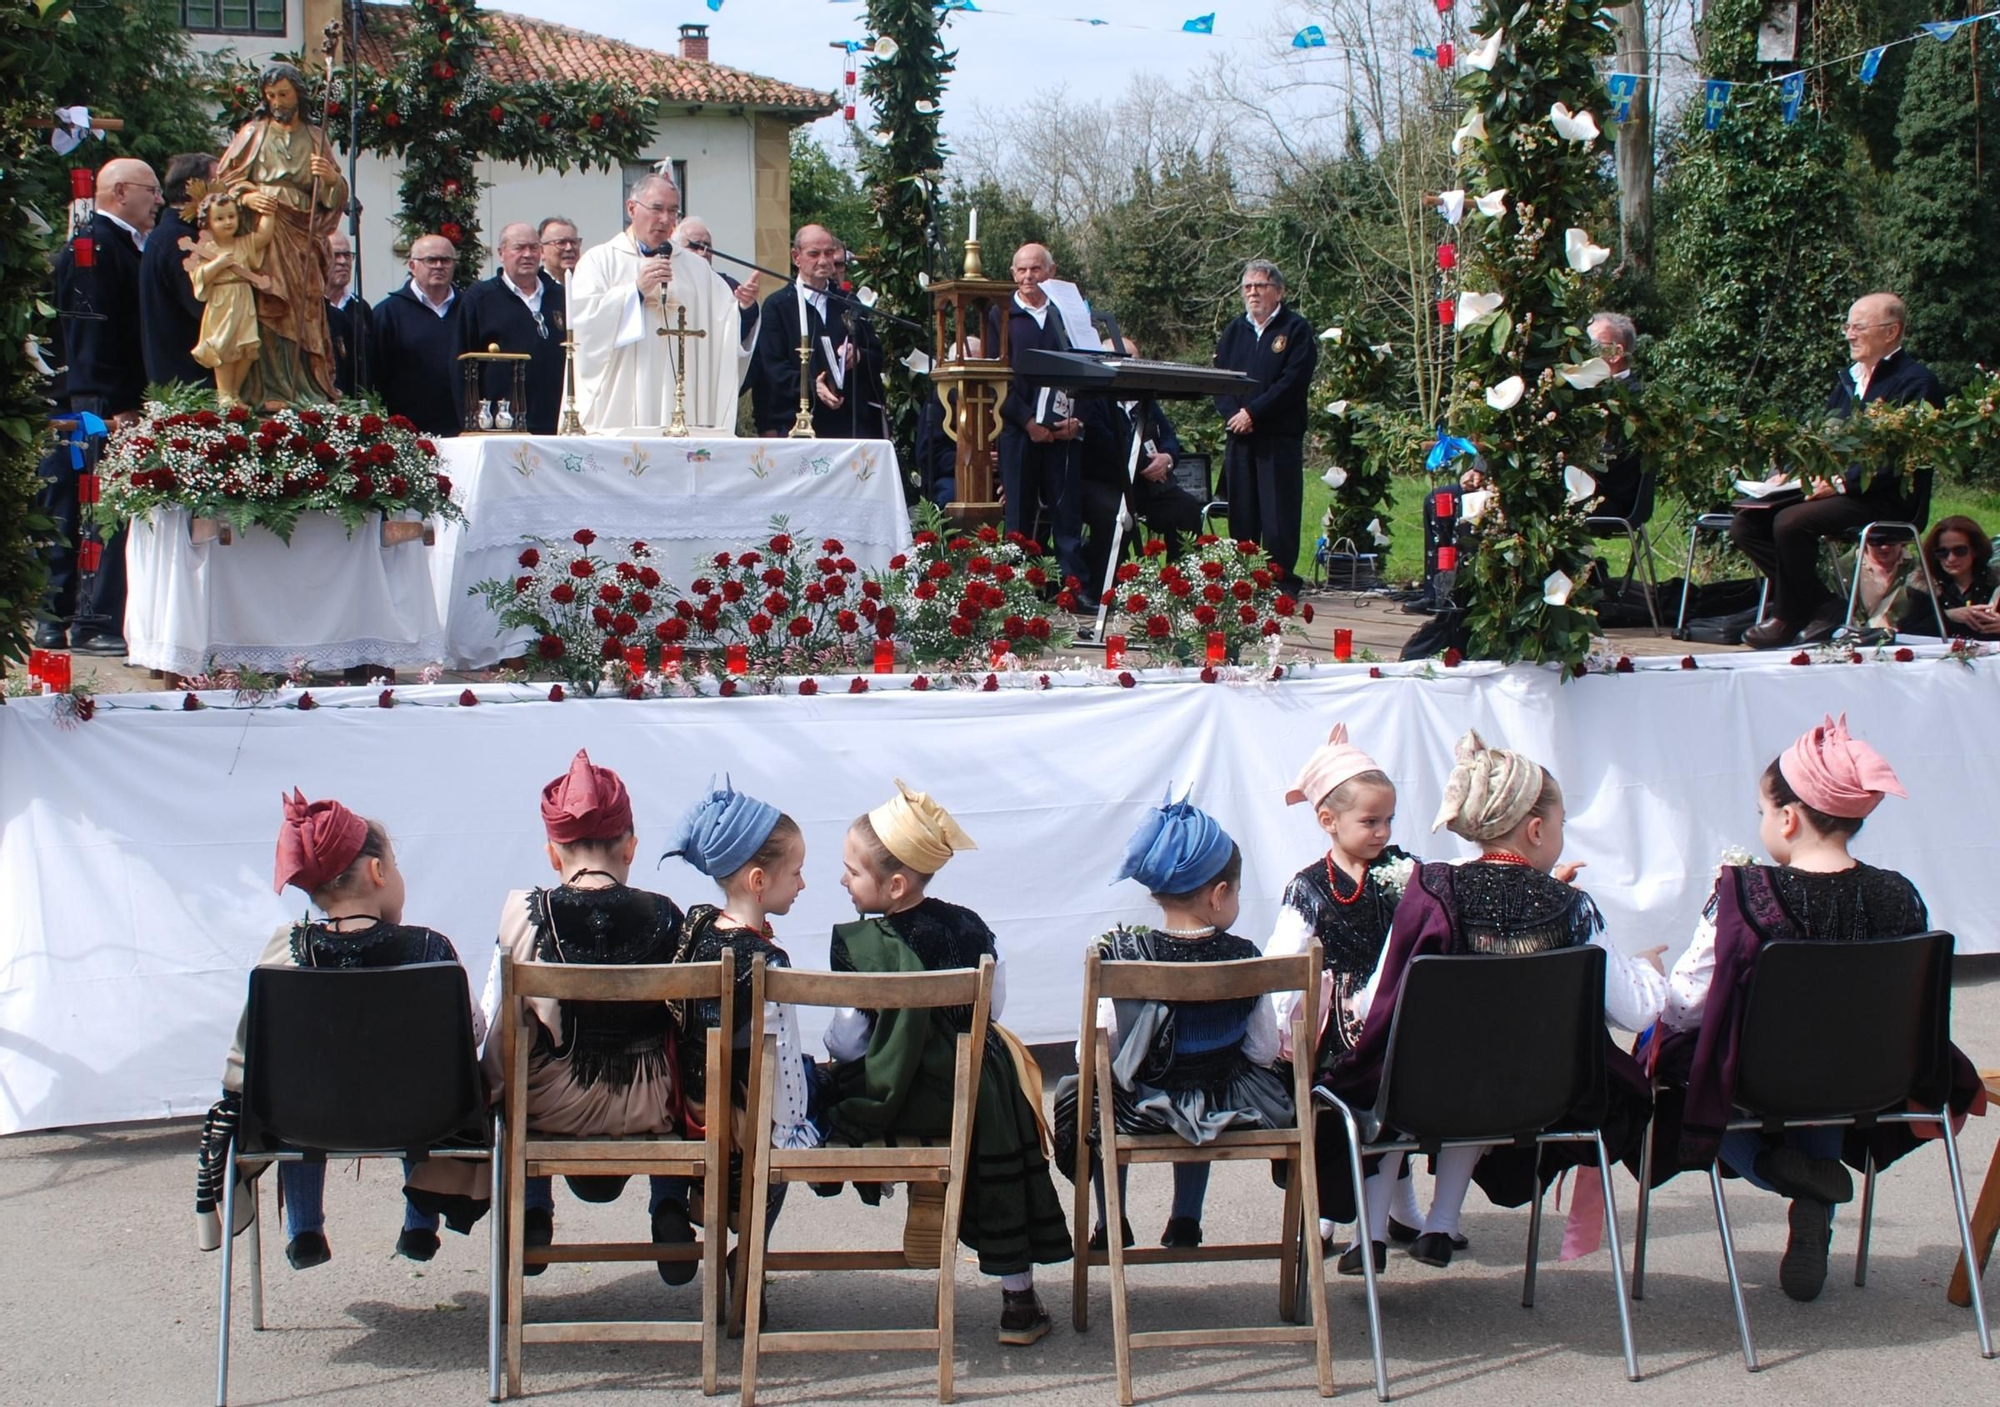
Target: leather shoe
[(111, 645), (50, 636), (1350, 1259), (1773, 634), (1821, 627), (1432, 1248)]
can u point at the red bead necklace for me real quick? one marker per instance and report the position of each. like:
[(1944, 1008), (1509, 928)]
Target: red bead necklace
[(1334, 884), (1507, 857)]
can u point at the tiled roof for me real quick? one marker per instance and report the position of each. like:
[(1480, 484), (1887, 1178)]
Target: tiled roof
[(526, 49)]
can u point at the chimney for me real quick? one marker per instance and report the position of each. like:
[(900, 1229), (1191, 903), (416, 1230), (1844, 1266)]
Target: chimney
[(694, 43)]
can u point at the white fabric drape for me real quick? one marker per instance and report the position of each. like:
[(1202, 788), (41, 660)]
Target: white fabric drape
[(135, 859)]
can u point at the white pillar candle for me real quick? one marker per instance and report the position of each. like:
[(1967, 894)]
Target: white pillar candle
[(973, 233)]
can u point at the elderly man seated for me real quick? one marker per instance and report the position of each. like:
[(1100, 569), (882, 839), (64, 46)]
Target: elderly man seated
[(1784, 540)]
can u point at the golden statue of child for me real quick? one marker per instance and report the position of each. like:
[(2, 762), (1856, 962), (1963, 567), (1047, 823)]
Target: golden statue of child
[(225, 266)]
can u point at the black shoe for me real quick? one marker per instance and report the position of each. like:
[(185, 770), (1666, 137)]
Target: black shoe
[(1432, 1248), (1183, 1233), (50, 636), (539, 1231), (109, 645), (597, 1188), (1824, 622), (1773, 634), (671, 1227), (1400, 1234), (309, 1249), (1099, 1242), (1794, 1174), (1422, 606), (1802, 1273), (417, 1245), (1022, 1319), (1350, 1259)]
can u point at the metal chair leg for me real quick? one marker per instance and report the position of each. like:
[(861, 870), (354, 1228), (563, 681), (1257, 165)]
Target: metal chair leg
[(1617, 1263), (1687, 581), (1642, 543), (1367, 1249), (1930, 585), (1867, 1220), (1854, 584), (1645, 1211), (1965, 1234), (228, 1256), (1534, 1241), (1729, 1262), (255, 1231)]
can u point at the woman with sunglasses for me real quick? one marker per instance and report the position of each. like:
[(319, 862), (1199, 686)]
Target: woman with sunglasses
[(1961, 562)]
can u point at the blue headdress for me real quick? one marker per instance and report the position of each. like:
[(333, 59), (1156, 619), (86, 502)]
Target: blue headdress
[(720, 832), (1176, 849)]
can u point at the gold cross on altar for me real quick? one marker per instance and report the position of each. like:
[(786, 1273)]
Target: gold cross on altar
[(681, 332)]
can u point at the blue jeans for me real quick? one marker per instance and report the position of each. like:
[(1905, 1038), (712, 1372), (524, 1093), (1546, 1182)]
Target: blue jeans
[(1741, 1147), (303, 1186), (661, 1190)]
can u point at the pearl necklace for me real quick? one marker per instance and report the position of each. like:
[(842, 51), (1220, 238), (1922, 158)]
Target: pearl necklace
[(1201, 932)]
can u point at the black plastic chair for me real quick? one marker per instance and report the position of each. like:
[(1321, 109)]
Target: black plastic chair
[(368, 1063), (1537, 1022), (1837, 1034), (1717, 523), (1907, 529), (1629, 522)]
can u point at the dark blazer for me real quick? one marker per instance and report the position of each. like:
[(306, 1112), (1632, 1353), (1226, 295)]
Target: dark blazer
[(1107, 439), (1899, 379), (491, 312), (107, 359), (1017, 407), (351, 328), (774, 370), (415, 360), (1282, 362), (169, 313)]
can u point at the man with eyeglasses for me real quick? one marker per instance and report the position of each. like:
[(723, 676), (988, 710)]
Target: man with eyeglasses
[(1263, 460), (350, 322), (169, 313), (101, 330), (625, 305), (1783, 540), (519, 309), (417, 340), (692, 235), (561, 247)]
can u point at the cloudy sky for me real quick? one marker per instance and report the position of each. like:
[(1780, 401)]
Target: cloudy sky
[(1016, 45)]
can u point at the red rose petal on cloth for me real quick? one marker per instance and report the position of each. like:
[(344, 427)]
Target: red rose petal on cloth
[(808, 687), (555, 693), (1453, 657), (467, 698), (1687, 662), (307, 703), (1208, 674), (921, 683), (1905, 654), (728, 689), (858, 686), (1624, 665), (386, 699), (1374, 672), (1125, 679), (1802, 658), (1043, 680), (991, 684)]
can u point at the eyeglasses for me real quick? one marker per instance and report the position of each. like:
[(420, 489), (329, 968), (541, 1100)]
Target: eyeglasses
[(699, 246), (437, 261), (664, 211), (541, 326), (563, 243), (1255, 287), (1947, 552), (340, 257)]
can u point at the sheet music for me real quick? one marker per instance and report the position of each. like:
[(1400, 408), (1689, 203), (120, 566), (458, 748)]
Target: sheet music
[(1068, 300)]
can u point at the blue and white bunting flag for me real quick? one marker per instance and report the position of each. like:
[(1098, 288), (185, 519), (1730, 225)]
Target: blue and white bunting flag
[(1311, 37), (1943, 30), (1871, 63), (1715, 101), (1622, 87), (1791, 91), (1200, 24)]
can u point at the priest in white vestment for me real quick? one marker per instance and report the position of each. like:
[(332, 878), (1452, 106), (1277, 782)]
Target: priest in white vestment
[(623, 296)]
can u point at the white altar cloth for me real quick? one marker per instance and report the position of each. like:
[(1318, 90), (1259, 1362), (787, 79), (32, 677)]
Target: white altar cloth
[(135, 859), (331, 598), (688, 498)]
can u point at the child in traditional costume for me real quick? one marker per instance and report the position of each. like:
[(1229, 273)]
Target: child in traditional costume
[(345, 864), (1346, 900), (757, 854), (598, 1069), (1195, 1069), (1811, 801), (893, 1071), (1506, 901)]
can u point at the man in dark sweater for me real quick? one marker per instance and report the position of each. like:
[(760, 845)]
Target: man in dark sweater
[(417, 341), (350, 323), (1264, 460), (169, 313), (1784, 541), (1041, 465), (98, 300), (520, 309)]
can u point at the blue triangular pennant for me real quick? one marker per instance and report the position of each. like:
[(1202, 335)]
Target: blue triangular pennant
[(1311, 37), (1943, 30), (1200, 24)]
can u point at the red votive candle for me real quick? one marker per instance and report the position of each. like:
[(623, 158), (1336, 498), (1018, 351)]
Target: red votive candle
[(38, 663), (1447, 311), (737, 659), (89, 554), (1218, 647), (1343, 645), (670, 659), (1114, 652), (82, 183), (885, 656), (635, 658), (55, 672), (1447, 559), (1446, 54), (88, 489), (996, 650), (86, 251), (1447, 256)]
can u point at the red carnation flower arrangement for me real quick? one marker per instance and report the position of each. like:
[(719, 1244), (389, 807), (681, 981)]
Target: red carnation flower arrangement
[(954, 594), (1214, 588)]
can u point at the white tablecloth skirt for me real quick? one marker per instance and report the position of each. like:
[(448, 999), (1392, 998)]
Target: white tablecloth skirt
[(328, 598)]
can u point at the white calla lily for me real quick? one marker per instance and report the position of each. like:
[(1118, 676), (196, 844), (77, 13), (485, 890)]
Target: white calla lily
[(1572, 126), (32, 345), (1336, 407), (1556, 588), (1375, 531), (1474, 306), (918, 362), (866, 296), (1584, 375), (1507, 394), (1583, 256), (1486, 55), (1332, 334), (1381, 349), (1451, 205), (1577, 484), (1472, 506), (1474, 130), (1493, 204), (885, 47), (923, 279), (924, 105), (1334, 477)]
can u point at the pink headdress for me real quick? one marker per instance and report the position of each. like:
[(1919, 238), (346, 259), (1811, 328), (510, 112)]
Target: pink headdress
[(1837, 774), (1333, 762), (316, 843)]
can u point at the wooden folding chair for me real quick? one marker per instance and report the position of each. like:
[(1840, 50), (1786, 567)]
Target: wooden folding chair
[(909, 1160), (1183, 983), (704, 1159)]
